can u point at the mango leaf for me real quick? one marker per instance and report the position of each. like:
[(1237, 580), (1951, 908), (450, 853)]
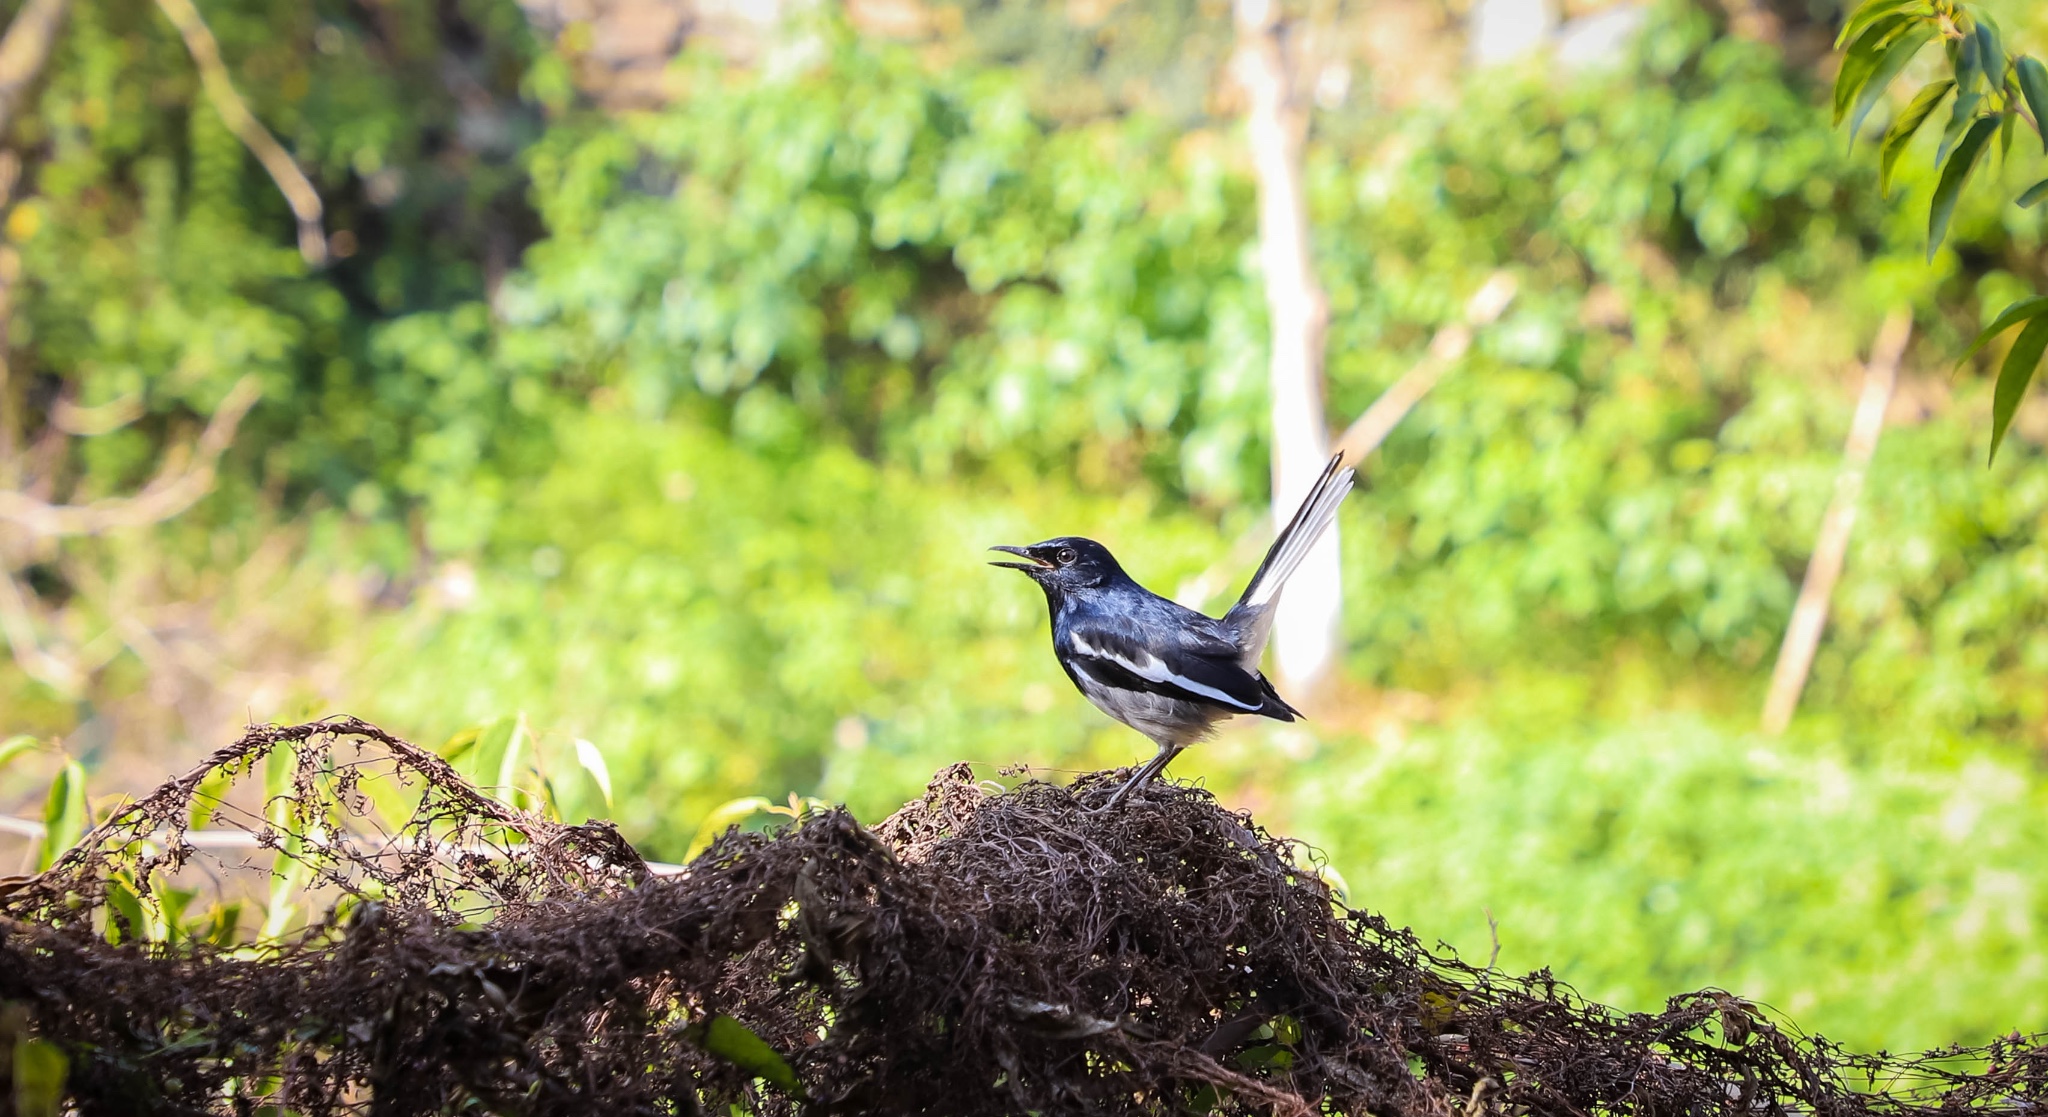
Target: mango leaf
[(2033, 80), (1894, 59), (2008, 318), (592, 761), (2034, 193), (1863, 16), (737, 1044), (2005, 123), (1953, 176), (2014, 376), (1862, 60), (40, 1068), (15, 746), (65, 816), (1904, 126)]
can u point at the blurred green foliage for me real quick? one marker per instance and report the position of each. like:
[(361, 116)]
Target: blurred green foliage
[(705, 478)]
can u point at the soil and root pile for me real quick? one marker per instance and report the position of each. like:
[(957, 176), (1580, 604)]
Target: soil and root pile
[(982, 951)]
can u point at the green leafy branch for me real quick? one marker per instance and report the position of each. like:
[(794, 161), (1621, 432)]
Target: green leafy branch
[(1993, 91)]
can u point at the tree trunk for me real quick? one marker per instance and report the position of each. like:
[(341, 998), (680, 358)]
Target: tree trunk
[(1305, 627)]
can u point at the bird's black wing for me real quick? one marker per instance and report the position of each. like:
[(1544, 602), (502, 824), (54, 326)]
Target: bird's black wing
[(1179, 664)]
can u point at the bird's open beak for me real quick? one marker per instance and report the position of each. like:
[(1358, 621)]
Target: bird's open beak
[(1034, 564)]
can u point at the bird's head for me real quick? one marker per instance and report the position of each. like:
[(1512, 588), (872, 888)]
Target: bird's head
[(1067, 563)]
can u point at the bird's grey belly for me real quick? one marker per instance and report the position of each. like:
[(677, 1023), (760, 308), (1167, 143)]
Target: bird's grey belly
[(1165, 720)]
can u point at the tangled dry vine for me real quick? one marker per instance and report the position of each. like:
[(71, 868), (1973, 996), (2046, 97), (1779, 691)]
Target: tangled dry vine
[(982, 951)]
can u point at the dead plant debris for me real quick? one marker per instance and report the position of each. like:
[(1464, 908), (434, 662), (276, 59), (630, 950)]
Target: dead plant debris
[(980, 952)]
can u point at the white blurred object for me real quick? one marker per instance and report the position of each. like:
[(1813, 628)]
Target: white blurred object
[(1504, 30), (1600, 39)]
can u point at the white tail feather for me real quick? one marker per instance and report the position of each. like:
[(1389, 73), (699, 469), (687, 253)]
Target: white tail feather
[(1253, 612)]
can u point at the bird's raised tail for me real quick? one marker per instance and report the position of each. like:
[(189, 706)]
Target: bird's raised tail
[(1252, 616)]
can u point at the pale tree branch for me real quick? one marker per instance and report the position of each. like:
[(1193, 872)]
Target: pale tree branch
[(220, 89), (17, 624), (1365, 433), (185, 476), (25, 49), (1810, 614)]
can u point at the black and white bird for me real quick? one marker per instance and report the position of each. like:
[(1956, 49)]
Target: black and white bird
[(1162, 669)]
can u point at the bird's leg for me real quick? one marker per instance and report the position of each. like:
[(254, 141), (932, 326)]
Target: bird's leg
[(1158, 763)]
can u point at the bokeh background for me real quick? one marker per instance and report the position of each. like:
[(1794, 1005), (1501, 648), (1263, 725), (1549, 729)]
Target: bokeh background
[(675, 361)]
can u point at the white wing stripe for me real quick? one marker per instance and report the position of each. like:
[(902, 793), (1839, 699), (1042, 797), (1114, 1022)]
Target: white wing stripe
[(1151, 669)]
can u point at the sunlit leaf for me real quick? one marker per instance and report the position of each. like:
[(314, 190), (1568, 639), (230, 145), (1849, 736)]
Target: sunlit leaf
[(1903, 128), (65, 815), (1861, 60), (592, 762), (2033, 82), (2034, 193), (1876, 9), (15, 746), (737, 1044), (2013, 377), (722, 818), (1953, 176), (1895, 57)]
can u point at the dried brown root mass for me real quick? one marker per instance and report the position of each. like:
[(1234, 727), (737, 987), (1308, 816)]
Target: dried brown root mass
[(980, 952)]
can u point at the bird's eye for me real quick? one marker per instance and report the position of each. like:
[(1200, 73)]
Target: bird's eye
[(1067, 556)]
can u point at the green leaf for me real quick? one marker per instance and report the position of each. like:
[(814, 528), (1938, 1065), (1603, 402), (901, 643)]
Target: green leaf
[(722, 817), (1904, 126), (2008, 318), (2005, 122), (15, 746), (2034, 193), (1959, 119), (1862, 17), (2033, 79), (40, 1068), (2013, 377), (1990, 56), (1861, 62), (1953, 176), (65, 817), (1894, 59), (737, 1044), (125, 919), (592, 762), (1969, 64)]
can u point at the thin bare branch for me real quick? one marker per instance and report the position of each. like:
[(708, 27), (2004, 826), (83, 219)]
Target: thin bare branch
[(1368, 430), (220, 89), (1450, 343), (186, 476), (1810, 614)]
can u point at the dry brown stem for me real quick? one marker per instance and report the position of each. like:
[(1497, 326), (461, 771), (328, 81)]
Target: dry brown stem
[(981, 952)]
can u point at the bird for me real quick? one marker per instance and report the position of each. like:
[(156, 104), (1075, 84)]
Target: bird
[(1161, 668)]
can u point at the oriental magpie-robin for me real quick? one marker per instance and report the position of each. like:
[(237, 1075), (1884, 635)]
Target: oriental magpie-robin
[(1167, 671)]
